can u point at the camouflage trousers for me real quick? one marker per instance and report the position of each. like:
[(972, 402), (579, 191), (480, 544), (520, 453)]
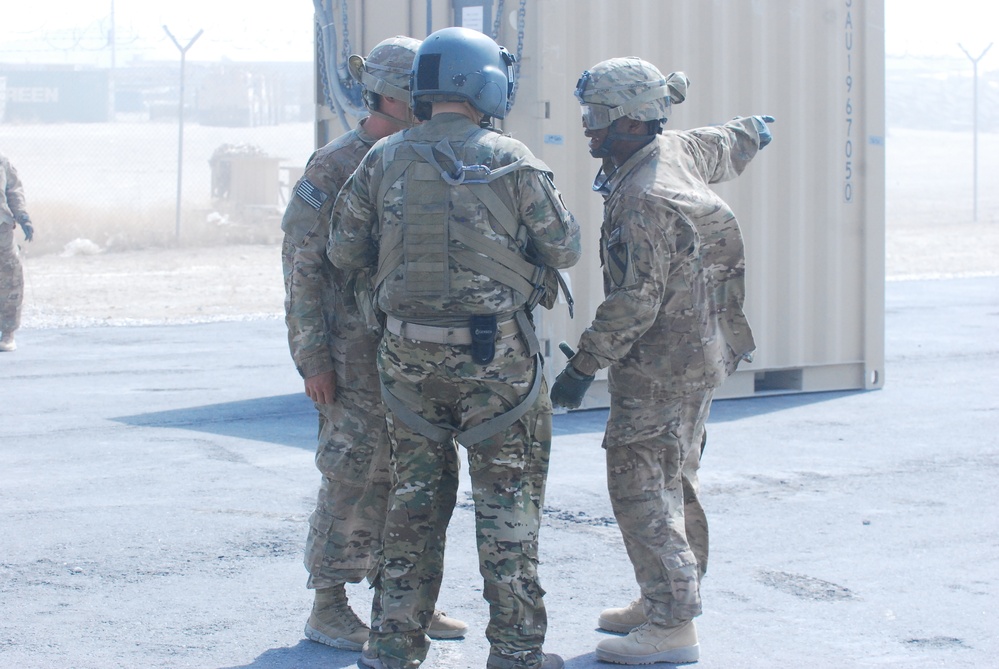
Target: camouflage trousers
[(11, 280), (345, 529), (508, 473), (653, 454)]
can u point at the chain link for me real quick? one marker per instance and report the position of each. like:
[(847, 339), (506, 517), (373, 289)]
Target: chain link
[(497, 20), (346, 32), (521, 21), (324, 76)]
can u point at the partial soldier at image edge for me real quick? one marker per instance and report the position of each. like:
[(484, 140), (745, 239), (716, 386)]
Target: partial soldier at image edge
[(13, 213)]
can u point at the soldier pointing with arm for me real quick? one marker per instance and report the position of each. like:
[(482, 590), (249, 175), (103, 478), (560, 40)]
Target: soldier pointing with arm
[(671, 329)]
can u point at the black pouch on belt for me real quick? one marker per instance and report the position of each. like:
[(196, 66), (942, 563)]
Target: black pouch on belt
[(483, 330)]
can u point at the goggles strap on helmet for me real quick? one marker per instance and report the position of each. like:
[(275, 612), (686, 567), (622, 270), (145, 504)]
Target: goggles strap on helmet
[(656, 93), (382, 87)]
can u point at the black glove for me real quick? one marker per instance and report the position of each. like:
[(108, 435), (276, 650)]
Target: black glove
[(25, 222), (570, 385)]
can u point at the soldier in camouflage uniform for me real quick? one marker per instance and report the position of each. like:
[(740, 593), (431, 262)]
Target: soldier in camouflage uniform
[(459, 228), (333, 347), (12, 214), (671, 329)]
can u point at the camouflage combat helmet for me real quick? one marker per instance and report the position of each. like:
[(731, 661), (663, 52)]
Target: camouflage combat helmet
[(631, 87), (466, 65), (386, 70)]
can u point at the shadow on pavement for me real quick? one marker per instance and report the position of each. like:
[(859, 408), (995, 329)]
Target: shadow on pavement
[(722, 411), (290, 420), (304, 655)]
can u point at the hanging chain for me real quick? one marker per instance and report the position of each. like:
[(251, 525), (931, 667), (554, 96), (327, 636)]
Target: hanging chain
[(346, 32), (521, 20), (324, 75), (347, 83), (497, 20)]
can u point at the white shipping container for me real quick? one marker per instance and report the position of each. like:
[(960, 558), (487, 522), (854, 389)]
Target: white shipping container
[(811, 204)]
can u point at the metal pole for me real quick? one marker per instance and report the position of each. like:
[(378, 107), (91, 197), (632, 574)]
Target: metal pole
[(430, 17), (112, 38), (974, 130), (180, 117)]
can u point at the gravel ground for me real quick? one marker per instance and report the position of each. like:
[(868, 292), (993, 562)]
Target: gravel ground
[(172, 286)]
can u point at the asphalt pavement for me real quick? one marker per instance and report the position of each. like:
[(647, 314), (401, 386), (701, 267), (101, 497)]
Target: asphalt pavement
[(155, 485)]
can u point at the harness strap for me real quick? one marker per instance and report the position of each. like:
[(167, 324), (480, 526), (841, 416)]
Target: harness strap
[(392, 173), (413, 420), (473, 435), (527, 331), (496, 207)]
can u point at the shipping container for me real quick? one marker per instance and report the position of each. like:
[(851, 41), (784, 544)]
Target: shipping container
[(56, 95), (811, 205)]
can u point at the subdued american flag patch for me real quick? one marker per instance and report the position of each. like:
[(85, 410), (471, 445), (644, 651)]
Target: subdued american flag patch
[(308, 192)]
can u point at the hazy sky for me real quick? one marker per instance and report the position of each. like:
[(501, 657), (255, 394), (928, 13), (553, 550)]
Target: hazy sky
[(233, 29), (237, 30), (927, 27)]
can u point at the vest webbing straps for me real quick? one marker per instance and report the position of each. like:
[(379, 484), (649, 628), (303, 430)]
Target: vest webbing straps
[(486, 256), (473, 435)]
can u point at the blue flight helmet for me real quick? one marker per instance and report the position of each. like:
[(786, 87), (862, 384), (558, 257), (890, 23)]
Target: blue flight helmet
[(460, 64)]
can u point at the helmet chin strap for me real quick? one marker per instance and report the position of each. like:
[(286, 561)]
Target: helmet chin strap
[(604, 150)]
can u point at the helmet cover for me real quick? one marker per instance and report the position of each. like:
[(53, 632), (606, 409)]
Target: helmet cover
[(631, 87), (387, 68)]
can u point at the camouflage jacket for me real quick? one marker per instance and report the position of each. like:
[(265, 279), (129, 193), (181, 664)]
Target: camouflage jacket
[(11, 193), (322, 317), (672, 320), (551, 234)]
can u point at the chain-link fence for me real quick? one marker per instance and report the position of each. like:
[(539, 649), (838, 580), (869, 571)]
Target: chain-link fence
[(100, 154), (939, 94)]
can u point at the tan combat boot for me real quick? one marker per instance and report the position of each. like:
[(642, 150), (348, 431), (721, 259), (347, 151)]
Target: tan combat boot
[(333, 622), (623, 620), (7, 342), (651, 643), (443, 626)]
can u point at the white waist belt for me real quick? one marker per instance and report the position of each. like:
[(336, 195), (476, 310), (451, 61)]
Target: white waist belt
[(454, 336)]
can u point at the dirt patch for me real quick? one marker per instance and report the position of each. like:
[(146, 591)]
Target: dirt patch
[(194, 285)]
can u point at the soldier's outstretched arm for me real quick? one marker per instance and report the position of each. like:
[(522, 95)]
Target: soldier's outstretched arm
[(722, 152)]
